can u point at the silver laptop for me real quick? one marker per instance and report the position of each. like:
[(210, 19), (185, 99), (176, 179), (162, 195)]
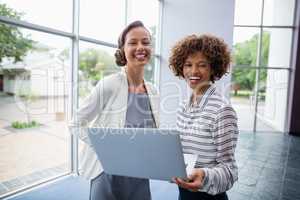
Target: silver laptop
[(138, 152)]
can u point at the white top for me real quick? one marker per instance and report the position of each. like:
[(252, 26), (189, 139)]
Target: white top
[(106, 106)]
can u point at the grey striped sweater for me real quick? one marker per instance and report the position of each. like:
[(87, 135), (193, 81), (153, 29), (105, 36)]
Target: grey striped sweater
[(209, 130)]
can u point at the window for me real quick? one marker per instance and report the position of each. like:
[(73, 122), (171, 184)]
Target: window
[(247, 12), (278, 12), (245, 42), (35, 143), (37, 94), (276, 47), (262, 56), (95, 62), (51, 13), (102, 20)]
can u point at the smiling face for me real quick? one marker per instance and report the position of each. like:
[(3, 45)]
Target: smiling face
[(137, 47), (197, 72)]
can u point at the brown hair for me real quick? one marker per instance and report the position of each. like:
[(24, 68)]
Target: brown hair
[(212, 47), (120, 54)]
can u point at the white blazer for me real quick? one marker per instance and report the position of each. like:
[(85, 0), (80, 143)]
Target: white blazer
[(106, 106)]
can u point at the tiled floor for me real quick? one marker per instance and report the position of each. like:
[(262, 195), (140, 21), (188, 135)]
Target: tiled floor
[(269, 169)]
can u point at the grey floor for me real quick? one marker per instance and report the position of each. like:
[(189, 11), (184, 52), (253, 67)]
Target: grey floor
[(269, 169)]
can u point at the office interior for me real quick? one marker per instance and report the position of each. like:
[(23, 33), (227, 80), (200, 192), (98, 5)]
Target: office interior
[(54, 52)]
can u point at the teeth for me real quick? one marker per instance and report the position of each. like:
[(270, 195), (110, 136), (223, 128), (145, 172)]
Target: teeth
[(194, 78), (140, 56)]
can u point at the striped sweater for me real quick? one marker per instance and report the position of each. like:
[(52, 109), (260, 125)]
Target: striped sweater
[(209, 130)]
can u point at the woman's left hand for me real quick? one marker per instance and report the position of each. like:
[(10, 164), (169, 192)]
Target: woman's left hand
[(194, 182)]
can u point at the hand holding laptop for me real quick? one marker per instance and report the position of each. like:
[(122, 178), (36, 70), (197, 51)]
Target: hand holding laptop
[(194, 182), (195, 175)]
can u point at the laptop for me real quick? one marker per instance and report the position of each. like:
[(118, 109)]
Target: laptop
[(139, 152)]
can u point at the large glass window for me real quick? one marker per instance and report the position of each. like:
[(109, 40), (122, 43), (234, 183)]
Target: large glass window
[(34, 139), (262, 57), (272, 95), (247, 12), (39, 86), (242, 96), (245, 42), (95, 62), (52, 13), (146, 11), (276, 47), (101, 19), (278, 12)]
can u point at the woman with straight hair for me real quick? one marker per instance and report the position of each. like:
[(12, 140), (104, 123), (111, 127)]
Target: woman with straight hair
[(121, 100)]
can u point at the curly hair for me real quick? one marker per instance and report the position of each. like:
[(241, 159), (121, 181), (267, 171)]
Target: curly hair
[(212, 47), (120, 54)]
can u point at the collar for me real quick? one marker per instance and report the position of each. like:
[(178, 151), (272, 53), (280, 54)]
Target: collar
[(201, 101)]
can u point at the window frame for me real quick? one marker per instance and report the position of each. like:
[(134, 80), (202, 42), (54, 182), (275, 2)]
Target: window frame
[(259, 66)]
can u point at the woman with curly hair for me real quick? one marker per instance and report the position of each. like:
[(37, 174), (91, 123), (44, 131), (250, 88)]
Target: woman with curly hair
[(123, 99), (207, 122)]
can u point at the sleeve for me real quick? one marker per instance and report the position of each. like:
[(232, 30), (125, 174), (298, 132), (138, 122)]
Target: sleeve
[(88, 111), (221, 178)]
